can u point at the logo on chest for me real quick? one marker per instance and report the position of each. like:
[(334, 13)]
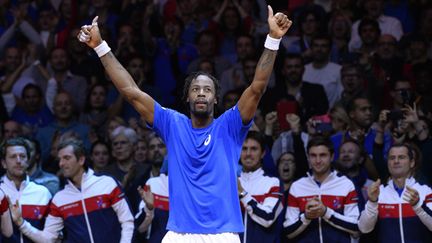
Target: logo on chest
[(208, 139)]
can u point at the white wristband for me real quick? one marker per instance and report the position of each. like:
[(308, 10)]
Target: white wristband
[(272, 43), (102, 49)]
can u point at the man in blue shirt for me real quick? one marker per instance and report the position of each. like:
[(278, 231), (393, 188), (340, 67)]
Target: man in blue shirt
[(203, 151)]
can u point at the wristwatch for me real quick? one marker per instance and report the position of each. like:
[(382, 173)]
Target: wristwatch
[(243, 194)]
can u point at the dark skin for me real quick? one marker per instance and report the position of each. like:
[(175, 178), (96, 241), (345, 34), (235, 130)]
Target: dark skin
[(144, 104)]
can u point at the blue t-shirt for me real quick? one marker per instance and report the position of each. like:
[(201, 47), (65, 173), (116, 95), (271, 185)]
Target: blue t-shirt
[(202, 171)]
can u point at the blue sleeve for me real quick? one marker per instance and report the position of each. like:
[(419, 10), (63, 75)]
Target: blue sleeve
[(234, 123), (162, 120)]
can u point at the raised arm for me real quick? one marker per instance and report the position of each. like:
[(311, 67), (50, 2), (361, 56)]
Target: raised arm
[(125, 84), (248, 102)]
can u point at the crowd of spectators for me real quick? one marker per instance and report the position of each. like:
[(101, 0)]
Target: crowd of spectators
[(357, 72)]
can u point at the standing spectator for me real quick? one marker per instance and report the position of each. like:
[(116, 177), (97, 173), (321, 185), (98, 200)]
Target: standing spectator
[(154, 207), (33, 198), (322, 207), (360, 129), (232, 78), (402, 207), (35, 172), (351, 163), (5, 220), (388, 25), (64, 122), (229, 22), (90, 208), (125, 169), (322, 71), (286, 169), (339, 30), (32, 112), (309, 22), (311, 97), (206, 43), (260, 194), (12, 129), (63, 80), (352, 82)]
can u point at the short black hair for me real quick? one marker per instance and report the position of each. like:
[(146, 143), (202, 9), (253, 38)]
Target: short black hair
[(351, 106), (322, 37), (12, 142), (369, 22), (257, 136), (292, 55), (192, 77), (32, 86), (321, 141)]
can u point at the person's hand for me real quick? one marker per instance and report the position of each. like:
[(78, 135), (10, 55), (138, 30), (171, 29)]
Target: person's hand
[(357, 134), (147, 196), (278, 23), (411, 195), (310, 126), (314, 208), (90, 34), (15, 210), (294, 122), (374, 191), (382, 118), (410, 114), (270, 118), (240, 188)]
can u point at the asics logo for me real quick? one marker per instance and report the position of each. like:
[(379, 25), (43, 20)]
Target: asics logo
[(207, 141)]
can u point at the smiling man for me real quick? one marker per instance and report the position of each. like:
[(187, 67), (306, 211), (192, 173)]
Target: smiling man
[(322, 207), (260, 194), (33, 198), (90, 208), (402, 208), (203, 151)]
